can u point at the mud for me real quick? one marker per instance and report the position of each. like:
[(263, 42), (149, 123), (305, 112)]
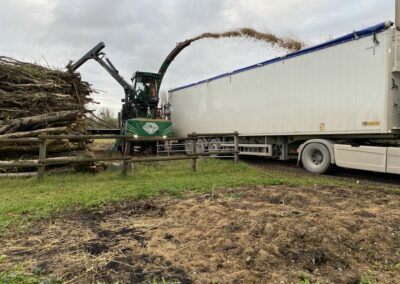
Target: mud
[(241, 235)]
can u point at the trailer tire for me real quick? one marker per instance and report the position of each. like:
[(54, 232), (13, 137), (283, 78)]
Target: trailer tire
[(200, 146), (316, 158), (188, 147), (214, 145)]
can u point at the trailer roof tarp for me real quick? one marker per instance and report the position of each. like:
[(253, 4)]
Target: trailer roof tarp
[(340, 40)]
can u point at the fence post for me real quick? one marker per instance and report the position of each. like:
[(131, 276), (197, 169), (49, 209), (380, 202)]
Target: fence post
[(126, 157), (125, 166), (42, 158), (194, 160), (236, 142)]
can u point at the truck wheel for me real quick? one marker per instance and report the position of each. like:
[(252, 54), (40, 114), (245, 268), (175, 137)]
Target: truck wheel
[(316, 158)]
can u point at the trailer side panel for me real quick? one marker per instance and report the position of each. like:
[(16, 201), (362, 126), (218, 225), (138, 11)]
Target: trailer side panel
[(342, 89)]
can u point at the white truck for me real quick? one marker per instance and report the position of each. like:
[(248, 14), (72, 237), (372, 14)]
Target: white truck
[(336, 103)]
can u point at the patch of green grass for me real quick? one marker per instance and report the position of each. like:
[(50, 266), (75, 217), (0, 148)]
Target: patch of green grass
[(366, 280), (26, 199), (17, 275), (304, 279)]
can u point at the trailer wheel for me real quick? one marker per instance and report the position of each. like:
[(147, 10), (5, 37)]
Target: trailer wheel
[(214, 145), (200, 146), (188, 147), (316, 158)]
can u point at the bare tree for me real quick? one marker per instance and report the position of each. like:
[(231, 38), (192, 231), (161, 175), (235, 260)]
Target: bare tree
[(106, 117)]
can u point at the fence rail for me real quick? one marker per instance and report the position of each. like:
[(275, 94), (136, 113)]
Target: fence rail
[(126, 158)]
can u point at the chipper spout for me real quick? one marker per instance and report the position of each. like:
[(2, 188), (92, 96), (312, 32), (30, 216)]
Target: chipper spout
[(168, 60)]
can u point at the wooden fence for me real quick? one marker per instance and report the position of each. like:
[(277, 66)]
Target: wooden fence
[(126, 158)]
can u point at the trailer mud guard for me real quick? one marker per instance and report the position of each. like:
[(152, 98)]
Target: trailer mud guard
[(328, 143)]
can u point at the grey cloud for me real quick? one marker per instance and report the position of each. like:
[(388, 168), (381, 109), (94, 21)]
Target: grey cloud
[(139, 34)]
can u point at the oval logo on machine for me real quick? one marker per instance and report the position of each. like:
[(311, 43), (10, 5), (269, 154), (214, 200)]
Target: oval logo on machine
[(150, 127)]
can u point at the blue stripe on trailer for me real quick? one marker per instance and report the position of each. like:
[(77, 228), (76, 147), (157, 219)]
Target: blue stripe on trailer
[(340, 40)]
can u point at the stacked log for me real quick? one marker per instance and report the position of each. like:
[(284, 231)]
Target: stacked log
[(35, 99)]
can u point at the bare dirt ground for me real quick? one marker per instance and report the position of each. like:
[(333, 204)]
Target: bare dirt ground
[(364, 177), (242, 235)]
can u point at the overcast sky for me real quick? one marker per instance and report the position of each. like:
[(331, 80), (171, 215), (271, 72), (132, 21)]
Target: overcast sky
[(140, 33)]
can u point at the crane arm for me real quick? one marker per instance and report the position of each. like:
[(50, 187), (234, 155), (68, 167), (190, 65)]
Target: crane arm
[(95, 54), (114, 72)]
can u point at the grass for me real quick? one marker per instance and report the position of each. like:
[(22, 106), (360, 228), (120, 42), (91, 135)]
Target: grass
[(103, 144), (366, 280), (18, 275), (25, 199)]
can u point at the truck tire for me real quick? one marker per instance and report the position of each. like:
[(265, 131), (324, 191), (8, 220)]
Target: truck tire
[(316, 158)]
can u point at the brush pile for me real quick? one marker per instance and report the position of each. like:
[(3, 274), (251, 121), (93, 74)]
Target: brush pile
[(34, 100)]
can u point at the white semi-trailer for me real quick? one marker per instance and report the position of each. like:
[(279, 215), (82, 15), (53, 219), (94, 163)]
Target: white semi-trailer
[(335, 103)]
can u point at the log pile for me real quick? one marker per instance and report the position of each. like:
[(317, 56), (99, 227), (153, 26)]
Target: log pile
[(36, 99)]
